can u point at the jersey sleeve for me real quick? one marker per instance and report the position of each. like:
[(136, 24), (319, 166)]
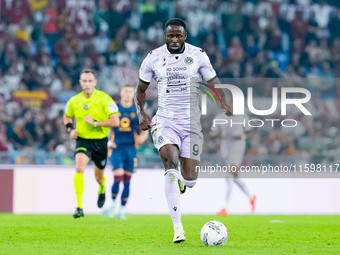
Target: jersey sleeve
[(69, 112), (145, 71), (110, 106), (206, 69)]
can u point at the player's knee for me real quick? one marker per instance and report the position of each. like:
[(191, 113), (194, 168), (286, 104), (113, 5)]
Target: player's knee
[(171, 174), (169, 157), (119, 171), (80, 170), (99, 179)]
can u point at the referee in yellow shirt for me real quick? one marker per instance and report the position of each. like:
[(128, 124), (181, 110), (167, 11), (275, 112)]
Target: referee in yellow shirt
[(95, 112)]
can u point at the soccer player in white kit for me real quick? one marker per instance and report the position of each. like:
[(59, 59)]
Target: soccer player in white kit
[(233, 136), (176, 127)]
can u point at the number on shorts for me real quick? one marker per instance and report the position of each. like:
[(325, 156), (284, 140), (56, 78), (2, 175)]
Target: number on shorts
[(195, 149)]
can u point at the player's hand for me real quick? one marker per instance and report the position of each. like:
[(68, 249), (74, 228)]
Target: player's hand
[(227, 109), (144, 121), (111, 145), (139, 140), (74, 134), (89, 119)]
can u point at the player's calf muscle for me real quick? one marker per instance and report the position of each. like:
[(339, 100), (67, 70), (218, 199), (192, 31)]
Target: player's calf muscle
[(189, 175), (189, 168)]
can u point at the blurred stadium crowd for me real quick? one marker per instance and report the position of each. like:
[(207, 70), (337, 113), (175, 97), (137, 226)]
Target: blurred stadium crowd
[(45, 43)]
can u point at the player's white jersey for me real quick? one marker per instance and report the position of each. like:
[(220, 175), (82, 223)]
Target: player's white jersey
[(177, 97), (232, 150)]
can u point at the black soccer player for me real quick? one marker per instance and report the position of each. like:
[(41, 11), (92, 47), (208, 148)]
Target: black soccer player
[(176, 127)]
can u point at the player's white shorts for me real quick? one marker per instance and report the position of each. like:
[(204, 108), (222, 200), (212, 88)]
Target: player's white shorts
[(188, 138)]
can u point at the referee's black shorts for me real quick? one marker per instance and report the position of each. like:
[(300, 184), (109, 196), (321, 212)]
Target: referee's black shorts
[(95, 149)]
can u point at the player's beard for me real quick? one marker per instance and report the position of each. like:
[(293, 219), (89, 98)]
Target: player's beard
[(177, 51)]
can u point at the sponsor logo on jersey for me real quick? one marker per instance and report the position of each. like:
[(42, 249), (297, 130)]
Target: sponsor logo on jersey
[(183, 89), (189, 60)]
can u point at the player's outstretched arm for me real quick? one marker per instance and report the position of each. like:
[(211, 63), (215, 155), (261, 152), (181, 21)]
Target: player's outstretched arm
[(225, 106), (144, 119), (113, 121)]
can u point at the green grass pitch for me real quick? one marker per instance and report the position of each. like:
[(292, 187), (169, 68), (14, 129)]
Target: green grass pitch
[(152, 234)]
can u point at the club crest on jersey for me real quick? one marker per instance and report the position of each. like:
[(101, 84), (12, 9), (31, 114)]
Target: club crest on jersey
[(189, 60), (86, 107), (160, 139), (133, 115)]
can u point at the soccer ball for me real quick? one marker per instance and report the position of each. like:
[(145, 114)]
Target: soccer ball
[(214, 233)]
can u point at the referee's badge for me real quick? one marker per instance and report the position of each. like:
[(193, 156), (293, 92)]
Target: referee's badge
[(86, 107)]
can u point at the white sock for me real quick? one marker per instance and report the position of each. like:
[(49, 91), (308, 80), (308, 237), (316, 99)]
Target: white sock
[(242, 187), (172, 195), (178, 225), (113, 203), (122, 209), (187, 183)]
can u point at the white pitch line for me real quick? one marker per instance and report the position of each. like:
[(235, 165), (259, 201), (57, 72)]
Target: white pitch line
[(275, 221)]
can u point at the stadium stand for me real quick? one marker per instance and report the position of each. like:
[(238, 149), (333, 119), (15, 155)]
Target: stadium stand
[(45, 43)]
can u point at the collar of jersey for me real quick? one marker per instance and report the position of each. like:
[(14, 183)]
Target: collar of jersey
[(178, 54), (94, 91)]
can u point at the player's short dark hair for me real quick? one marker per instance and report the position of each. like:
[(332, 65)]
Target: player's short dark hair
[(87, 71), (176, 22), (128, 86)]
